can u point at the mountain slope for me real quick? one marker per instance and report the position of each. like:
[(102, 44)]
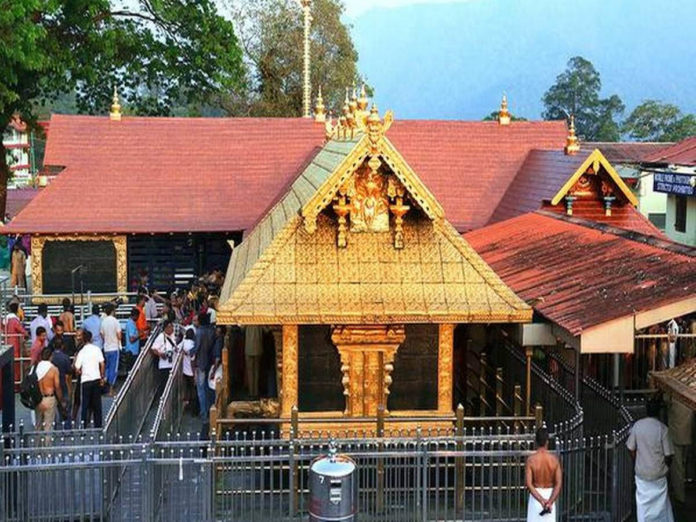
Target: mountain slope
[(455, 60)]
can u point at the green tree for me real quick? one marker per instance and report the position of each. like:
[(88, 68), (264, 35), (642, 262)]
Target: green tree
[(493, 116), (656, 121), (272, 34), (156, 51), (577, 91)]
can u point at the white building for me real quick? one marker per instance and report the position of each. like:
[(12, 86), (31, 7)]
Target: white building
[(675, 175), (17, 145)]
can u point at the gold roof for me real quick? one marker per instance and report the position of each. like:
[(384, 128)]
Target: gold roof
[(679, 381), (292, 270)]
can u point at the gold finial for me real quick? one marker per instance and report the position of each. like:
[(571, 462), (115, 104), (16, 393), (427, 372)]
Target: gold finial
[(346, 103), (503, 114), (319, 109), (363, 102), (572, 143), (115, 114), (329, 127), (353, 104)]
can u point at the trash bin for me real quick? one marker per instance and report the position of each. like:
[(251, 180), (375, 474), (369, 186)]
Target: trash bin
[(333, 488)]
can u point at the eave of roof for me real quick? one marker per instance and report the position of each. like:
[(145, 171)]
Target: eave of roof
[(681, 153), (581, 273)]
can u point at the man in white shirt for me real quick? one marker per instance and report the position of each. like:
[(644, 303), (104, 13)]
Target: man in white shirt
[(42, 319), (89, 364), (111, 334), (651, 448), (164, 347)]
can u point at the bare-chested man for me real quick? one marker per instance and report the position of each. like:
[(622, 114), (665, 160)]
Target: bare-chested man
[(543, 478), (49, 384)]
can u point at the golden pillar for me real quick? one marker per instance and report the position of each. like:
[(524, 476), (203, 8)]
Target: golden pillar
[(528, 352), (288, 395), (367, 357), (445, 368)]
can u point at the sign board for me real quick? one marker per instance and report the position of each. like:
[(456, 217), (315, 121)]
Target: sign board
[(672, 183)]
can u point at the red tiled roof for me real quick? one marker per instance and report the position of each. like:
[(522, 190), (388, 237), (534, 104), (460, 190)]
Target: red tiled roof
[(17, 199), (468, 166), (212, 174), (625, 151), (682, 153), (585, 274), (626, 217), (146, 175), (541, 176)]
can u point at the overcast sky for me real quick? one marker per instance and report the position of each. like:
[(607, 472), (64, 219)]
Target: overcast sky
[(357, 7)]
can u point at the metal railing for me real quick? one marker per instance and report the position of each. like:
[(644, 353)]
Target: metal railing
[(563, 415), (265, 479), (134, 400), (170, 409)]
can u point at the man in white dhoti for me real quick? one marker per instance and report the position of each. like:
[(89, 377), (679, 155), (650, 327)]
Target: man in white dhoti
[(651, 449), (543, 478), (672, 333)]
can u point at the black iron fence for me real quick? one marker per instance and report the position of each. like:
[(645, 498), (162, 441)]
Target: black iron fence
[(476, 477)]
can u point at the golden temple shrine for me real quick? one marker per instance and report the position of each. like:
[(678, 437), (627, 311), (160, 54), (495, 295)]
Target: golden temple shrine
[(363, 281)]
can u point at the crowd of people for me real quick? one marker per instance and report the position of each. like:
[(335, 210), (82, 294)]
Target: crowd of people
[(61, 353)]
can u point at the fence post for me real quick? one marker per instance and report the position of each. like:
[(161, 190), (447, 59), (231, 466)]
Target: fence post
[(380, 460), (498, 392), (539, 415), (614, 477), (294, 433), (459, 460)]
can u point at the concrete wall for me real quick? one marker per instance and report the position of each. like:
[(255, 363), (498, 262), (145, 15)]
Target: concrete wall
[(649, 201), (688, 237)]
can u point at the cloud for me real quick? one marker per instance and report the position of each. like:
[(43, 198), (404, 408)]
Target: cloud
[(355, 8)]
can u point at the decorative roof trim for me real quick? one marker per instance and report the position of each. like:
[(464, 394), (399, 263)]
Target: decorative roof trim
[(595, 159), (396, 162)]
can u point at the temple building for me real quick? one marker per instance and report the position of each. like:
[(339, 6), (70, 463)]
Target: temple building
[(345, 242), (158, 199)]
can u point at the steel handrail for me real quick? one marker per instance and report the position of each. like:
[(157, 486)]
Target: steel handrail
[(144, 357)]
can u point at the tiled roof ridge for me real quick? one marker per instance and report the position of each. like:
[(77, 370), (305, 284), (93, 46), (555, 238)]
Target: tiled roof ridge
[(670, 246), (185, 118), (678, 148)]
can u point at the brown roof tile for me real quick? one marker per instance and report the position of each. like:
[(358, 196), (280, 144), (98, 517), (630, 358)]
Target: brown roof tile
[(585, 274)]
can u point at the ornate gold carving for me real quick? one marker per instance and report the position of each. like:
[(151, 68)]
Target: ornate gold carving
[(342, 209), (444, 367), (368, 197), (120, 245), (289, 390), (367, 356), (264, 408), (397, 191)]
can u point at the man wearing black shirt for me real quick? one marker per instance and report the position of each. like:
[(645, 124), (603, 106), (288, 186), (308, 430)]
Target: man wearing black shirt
[(61, 361), (67, 341)]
